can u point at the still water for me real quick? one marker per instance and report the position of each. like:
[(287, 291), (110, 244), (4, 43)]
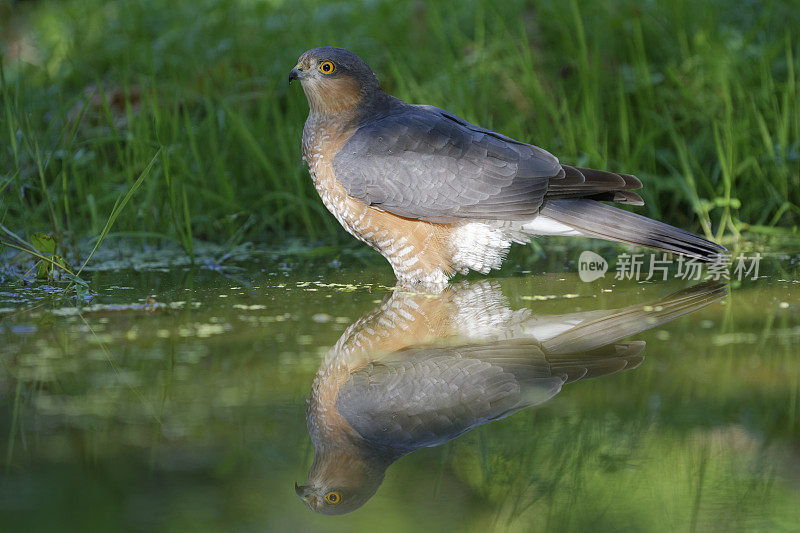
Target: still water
[(247, 395)]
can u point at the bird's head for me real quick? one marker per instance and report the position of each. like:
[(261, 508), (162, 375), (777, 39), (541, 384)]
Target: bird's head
[(335, 80), (341, 482)]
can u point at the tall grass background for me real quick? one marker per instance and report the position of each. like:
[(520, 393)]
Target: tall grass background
[(700, 99)]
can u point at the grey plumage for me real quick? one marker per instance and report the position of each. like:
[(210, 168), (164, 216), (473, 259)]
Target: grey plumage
[(601, 220), (608, 327), (401, 177), (378, 397), (428, 396), (425, 163)]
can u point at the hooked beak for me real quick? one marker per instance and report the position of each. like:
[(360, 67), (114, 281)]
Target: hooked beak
[(294, 75), (304, 494)]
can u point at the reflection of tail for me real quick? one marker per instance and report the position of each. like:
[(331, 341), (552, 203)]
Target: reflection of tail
[(599, 362), (596, 219), (635, 319)]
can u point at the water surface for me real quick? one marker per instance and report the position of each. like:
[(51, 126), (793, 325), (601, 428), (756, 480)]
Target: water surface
[(175, 398)]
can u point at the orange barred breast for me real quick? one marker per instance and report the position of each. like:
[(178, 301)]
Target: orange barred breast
[(417, 250)]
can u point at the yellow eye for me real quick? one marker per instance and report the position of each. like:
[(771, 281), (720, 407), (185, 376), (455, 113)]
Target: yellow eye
[(333, 498), (326, 67)]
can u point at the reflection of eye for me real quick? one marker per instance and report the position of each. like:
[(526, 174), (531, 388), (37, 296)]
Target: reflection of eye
[(333, 498), (326, 67)]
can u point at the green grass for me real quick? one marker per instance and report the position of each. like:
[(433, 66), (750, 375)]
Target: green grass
[(700, 100)]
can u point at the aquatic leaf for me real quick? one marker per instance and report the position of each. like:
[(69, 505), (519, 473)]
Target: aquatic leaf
[(60, 262), (43, 242), (43, 269), (76, 280)]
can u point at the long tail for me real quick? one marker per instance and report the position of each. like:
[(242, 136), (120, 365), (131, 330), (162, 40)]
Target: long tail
[(596, 219)]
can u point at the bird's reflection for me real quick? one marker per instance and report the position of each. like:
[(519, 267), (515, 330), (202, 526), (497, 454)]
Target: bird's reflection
[(421, 370)]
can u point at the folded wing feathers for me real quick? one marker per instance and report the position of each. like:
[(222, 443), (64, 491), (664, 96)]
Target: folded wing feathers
[(422, 162), (596, 185)]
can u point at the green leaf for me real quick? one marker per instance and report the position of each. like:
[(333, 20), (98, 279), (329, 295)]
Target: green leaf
[(43, 242), (43, 269), (78, 281), (60, 262)]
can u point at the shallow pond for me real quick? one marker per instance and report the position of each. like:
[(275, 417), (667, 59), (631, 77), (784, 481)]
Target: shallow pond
[(193, 397)]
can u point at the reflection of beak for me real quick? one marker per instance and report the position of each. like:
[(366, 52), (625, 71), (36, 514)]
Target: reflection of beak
[(301, 491), (307, 495), (294, 75)]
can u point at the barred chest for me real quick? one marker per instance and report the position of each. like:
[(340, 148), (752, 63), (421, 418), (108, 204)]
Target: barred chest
[(416, 250), (321, 142)]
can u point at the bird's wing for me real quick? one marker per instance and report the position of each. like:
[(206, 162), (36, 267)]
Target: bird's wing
[(596, 330), (428, 396), (424, 163)]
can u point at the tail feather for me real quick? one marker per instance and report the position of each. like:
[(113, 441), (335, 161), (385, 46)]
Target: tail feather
[(598, 185), (596, 219)]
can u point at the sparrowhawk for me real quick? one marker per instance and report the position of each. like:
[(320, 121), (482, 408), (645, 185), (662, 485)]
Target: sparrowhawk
[(420, 370), (437, 195)]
